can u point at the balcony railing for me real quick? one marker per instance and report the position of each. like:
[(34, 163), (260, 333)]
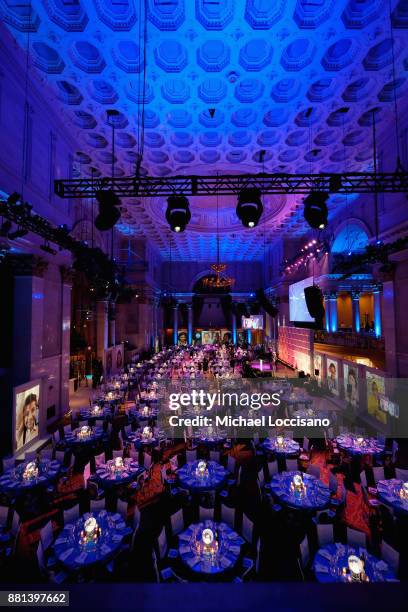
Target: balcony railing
[(350, 339)]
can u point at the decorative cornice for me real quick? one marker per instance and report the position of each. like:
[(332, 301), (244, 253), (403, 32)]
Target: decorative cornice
[(27, 265)]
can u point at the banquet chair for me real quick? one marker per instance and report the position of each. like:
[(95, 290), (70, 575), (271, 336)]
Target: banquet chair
[(292, 465), (228, 515), (313, 470), (304, 556), (82, 422), (30, 456), (8, 463), (231, 464), (87, 474), (169, 575), (305, 445), (4, 514), (122, 508), (162, 544), (378, 473), (47, 536), (47, 453), (206, 514), (401, 474), (56, 577), (356, 538), (97, 504), (191, 455), (390, 556), (117, 453), (363, 479), (273, 468), (247, 529), (71, 515), (177, 522), (134, 454), (289, 434), (147, 461), (324, 534), (100, 459), (56, 437), (128, 429), (261, 477), (136, 518), (99, 423), (215, 455), (67, 429)]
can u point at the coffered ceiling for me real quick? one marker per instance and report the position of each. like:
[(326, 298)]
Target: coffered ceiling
[(225, 79)]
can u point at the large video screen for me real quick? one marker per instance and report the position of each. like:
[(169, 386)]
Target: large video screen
[(375, 390), (298, 311), (27, 402), (252, 322)]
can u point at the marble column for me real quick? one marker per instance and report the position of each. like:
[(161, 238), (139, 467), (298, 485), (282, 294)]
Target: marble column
[(377, 312), (175, 325), (28, 315), (102, 332), (333, 311), (66, 280), (112, 324), (327, 311), (234, 329), (355, 302), (190, 324)]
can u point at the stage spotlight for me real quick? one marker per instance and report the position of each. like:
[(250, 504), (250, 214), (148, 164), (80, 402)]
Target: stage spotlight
[(178, 213), (249, 207), (315, 209), (18, 233), (108, 214), (47, 249)]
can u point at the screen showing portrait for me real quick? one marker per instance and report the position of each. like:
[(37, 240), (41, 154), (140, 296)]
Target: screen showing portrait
[(375, 389), (252, 322), (333, 375), (298, 312), (27, 402), (351, 384)]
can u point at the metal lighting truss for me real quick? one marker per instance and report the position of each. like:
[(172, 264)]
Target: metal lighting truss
[(148, 186)]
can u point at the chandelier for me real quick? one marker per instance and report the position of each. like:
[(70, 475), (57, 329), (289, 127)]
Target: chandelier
[(219, 280)]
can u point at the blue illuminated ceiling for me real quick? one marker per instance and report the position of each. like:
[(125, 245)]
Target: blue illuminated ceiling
[(278, 74)]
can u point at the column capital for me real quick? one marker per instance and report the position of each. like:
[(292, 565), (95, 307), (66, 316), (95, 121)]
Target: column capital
[(27, 265)]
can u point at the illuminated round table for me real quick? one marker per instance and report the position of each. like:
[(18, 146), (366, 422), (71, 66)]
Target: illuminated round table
[(140, 441), (144, 414), (211, 439), (332, 560), (83, 437), (29, 475), (118, 472), (200, 476), (91, 414), (77, 546), (299, 491), (394, 493), (284, 447), (215, 551), (357, 445)]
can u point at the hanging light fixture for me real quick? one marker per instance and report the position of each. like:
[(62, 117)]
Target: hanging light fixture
[(249, 207), (218, 281), (315, 211), (178, 213)]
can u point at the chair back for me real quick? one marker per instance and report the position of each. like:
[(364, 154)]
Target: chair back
[(261, 477), (304, 552), (215, 455), (8, 463), (117, 453), (47, 536), (292, 465), (60, 456), (273, 468), (313, 470), (228, 515), (97, 504), (231, 464), (356, 538), (191, 455), (324, 534), (206, 514), (147, 461), (378, 473), (390, 556), (71, 515), (247, 529), (401, 474), (177, 522), (162, 543)]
